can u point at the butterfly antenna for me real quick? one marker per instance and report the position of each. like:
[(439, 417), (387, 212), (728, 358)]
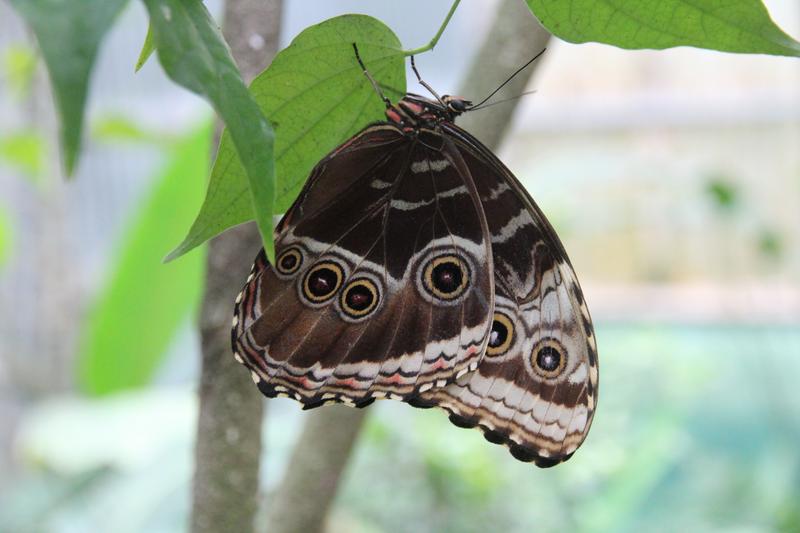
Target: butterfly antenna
[(520, 69), (503, 101), (371, 79), (422, 82), (390, 89)]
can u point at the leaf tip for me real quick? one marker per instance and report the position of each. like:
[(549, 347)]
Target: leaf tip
[(269, 248), (70, 159), (147, 49), (174, 254)]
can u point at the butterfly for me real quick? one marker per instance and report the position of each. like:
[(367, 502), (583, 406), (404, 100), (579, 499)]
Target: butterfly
[(414, 266)]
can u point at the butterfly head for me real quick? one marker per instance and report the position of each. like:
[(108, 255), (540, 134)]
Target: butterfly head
[(415, 111), (456, 104)]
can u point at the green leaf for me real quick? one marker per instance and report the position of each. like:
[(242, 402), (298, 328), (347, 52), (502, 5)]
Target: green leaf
[(742, 26), (770, 243), (144, 301), (19, 66), (147, 49), (194, 54), (69, 34), (723, 193), (316, 95), (116, 127), (5, 236), (25, 150)]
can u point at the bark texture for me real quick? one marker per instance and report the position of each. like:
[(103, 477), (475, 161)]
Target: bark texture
[(228, 444), (304, 496), (301, 502)]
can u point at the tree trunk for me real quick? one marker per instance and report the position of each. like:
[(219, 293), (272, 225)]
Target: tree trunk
[(301, 502), (304, 496), (228, 446)]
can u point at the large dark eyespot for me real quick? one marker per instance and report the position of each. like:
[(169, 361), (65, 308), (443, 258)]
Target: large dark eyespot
[(548, 358), (446, 277), (501, 335), (289, 261), (359, 298), (322, 281)]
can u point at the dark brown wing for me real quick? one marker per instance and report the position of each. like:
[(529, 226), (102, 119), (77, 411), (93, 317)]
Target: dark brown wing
[(535, 389), (382, 284)]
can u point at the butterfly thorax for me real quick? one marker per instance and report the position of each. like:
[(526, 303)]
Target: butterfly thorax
[(413, 111)]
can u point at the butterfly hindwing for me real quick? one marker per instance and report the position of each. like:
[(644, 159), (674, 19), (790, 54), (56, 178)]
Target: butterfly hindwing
[(536, 387), (382, 284)]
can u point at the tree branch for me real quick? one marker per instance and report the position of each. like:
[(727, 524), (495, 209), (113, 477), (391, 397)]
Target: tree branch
[(514, 38), (300, 504), (228, 446), (303, 498)]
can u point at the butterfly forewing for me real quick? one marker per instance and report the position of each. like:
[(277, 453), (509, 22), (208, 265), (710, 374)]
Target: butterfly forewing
[(536, 387), (382, 284)]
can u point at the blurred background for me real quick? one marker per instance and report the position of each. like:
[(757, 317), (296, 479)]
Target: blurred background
[(672, 177)]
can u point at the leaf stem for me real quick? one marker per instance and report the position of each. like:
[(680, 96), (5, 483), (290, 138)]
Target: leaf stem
[(435, 39)]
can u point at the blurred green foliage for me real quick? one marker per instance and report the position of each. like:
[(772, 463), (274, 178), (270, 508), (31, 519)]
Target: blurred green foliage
[(729, 200), (144, 302), (25, 151), (316, 96), (742, 26), (723, 193), (19, 66), (130, 452), (697, 432), (770, 243), (120, 128)]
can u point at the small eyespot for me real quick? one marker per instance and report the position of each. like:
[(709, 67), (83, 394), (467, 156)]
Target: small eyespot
[(289, 261), (500, 336), (322, 281), (359, 298), (446, 277), (548, 358)]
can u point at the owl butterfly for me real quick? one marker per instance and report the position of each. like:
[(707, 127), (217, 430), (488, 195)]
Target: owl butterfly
[(414, 266)]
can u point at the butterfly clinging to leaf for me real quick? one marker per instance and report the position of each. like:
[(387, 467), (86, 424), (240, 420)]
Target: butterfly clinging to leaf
[(414, 266)]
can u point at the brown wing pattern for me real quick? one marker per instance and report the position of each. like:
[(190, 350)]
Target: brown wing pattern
[(535, 389), (382, 285)]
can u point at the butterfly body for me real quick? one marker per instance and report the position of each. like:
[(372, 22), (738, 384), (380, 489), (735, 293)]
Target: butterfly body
[(414, 266)]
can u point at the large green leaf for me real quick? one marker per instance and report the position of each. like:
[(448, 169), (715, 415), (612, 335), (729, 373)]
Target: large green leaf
[(316, 96), (69, 34), (742, 26), (144, 302), (194, 54)]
